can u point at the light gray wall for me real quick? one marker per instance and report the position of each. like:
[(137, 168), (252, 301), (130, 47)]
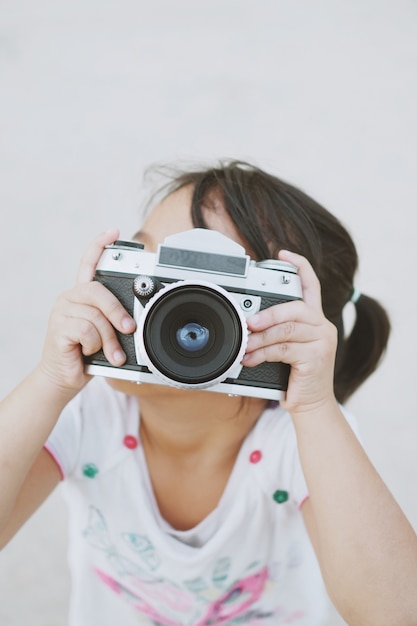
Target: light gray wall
[(322, 93)]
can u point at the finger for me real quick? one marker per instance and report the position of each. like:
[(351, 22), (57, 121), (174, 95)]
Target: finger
[(96, 326), (281, 333), (102, 303), (284, 352), (79, 332), (88, 263), (310, 284), (83, 332), (314, 345), (294, 311)]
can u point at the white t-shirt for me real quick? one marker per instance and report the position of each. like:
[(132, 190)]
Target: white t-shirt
[(249, 562)]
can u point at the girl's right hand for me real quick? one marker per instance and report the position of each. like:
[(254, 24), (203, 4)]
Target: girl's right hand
[(82, 322)]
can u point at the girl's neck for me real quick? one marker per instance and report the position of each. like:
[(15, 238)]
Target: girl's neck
[(191, 441), (188, 423)]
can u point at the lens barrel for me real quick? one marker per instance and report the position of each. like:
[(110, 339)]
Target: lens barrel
[(193, 334)]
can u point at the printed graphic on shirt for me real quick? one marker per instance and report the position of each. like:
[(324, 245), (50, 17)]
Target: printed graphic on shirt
[(198, 602)]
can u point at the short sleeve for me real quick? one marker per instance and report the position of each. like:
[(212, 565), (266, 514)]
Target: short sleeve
[(64, 441), (92, 428), (281, 470), (279, 473)]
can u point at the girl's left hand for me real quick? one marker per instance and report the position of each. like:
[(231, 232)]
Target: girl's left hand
[(299, 334)]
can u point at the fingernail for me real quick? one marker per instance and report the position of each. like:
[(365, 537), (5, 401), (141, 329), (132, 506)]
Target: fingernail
[(128, 324), (119, 356), (254, 320)]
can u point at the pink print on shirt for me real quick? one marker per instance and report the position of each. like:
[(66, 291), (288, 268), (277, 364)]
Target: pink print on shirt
[(231, 605), (165, 602)]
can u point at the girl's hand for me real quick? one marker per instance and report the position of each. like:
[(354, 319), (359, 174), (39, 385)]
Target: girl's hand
[(299, 334), (83, 321)]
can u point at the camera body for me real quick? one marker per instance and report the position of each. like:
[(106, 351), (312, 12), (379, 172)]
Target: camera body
[(190, 301)]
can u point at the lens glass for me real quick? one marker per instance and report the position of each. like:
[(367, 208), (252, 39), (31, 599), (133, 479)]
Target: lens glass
[(192, 334)]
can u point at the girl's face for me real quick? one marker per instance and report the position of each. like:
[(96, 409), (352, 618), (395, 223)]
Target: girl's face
[(169, 217)]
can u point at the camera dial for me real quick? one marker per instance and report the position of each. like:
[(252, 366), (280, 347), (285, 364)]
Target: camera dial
[(274, 264), (126, 245), (144, 286)]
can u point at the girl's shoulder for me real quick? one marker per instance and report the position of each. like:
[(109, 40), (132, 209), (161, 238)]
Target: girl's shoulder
[(273, 457), (272, 451), (95, 426)]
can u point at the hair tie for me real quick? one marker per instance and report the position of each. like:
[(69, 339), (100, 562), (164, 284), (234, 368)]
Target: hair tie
[(356, 294)]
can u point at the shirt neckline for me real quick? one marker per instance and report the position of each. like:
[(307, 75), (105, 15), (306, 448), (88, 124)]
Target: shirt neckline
[(202, 532)]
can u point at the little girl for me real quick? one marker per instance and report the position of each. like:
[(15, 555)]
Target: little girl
[(196, 508)]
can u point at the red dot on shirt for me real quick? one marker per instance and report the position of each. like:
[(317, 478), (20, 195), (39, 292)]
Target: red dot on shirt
[(255, 456), (130, 442)]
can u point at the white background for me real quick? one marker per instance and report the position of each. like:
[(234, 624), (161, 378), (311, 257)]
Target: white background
[(322, 93)]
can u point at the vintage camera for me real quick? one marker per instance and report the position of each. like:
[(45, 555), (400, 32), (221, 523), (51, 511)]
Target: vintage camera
[(190, 301)]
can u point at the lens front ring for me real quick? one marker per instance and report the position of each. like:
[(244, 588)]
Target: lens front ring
[(191, 305)]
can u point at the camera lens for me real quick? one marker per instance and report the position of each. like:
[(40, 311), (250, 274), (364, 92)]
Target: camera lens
[(192, 334)]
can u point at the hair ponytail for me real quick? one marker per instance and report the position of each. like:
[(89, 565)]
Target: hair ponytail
[(360, 353)]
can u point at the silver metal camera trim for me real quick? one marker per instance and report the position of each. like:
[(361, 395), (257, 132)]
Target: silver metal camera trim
[(231, 389)]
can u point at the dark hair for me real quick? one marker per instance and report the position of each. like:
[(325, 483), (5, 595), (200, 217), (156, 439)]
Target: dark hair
[(270, 215)]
